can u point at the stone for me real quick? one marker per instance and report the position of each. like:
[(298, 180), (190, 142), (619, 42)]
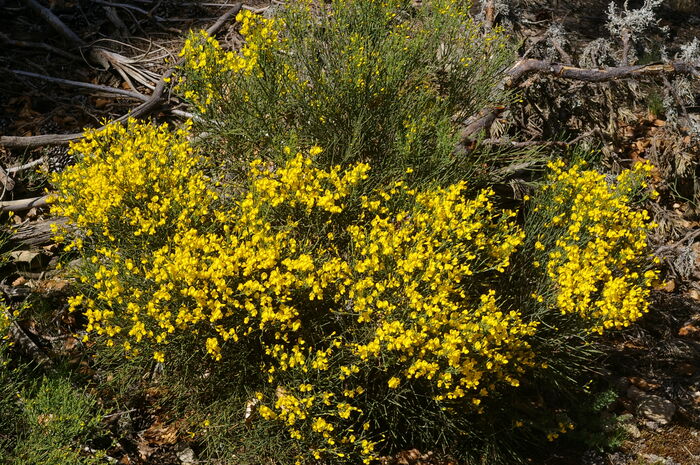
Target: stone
[(651, 425), (653, 459), (186, 456), (656, 409), (631, 430)]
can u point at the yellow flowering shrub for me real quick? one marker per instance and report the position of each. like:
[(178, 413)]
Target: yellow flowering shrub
[(334, 286), (366, 281), (597, 247)]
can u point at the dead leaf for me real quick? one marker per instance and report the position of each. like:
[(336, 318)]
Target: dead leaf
[(161, 434), (688, 330), (668, 286), (100, 103), (44, 419), (70, 343), (51, 285), (643, 384), (694, 294), (686, 369), (19, 281), (145, 450)]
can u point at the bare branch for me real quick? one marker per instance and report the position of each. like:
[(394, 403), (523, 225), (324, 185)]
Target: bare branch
[(528, 66), (55, 22), (23, 204), (39, 45), (31, 164), (29, 142), (35, 233), (85, 85)]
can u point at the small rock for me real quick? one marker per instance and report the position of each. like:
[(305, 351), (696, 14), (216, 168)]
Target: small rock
[(652, 459), (187, 456), (656, 409), (651, 425), (631, 430)]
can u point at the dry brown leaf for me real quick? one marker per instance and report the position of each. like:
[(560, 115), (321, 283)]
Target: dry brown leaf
[(161, 434), (643, 384), (70, 343)]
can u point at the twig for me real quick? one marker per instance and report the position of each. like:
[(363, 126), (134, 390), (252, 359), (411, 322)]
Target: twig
[(538, 143), (23, 204), (129, 7), (213, 29), (31, 164), (625, 37), (183, 114), (40, 45), (119, 413), (482, 120), (55, 22), (85, 85)]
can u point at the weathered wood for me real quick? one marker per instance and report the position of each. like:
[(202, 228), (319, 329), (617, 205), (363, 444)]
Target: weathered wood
[(23, 204), (529, 66), (35, 233)]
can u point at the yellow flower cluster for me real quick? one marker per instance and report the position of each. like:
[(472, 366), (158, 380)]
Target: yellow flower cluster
[(601, 245), (4, 321), (208, 66), (413, 279), (139, 177), (135, 186)]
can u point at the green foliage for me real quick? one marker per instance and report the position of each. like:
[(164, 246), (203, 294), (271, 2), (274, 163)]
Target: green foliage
[(371, 81), (58, 422)]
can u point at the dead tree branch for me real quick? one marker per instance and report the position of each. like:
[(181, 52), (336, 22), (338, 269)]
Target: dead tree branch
[(39, 45), (28, 142), (84, 85), (55, 22), (23, 204), (528, 66), (31, 164), (36, 233)]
